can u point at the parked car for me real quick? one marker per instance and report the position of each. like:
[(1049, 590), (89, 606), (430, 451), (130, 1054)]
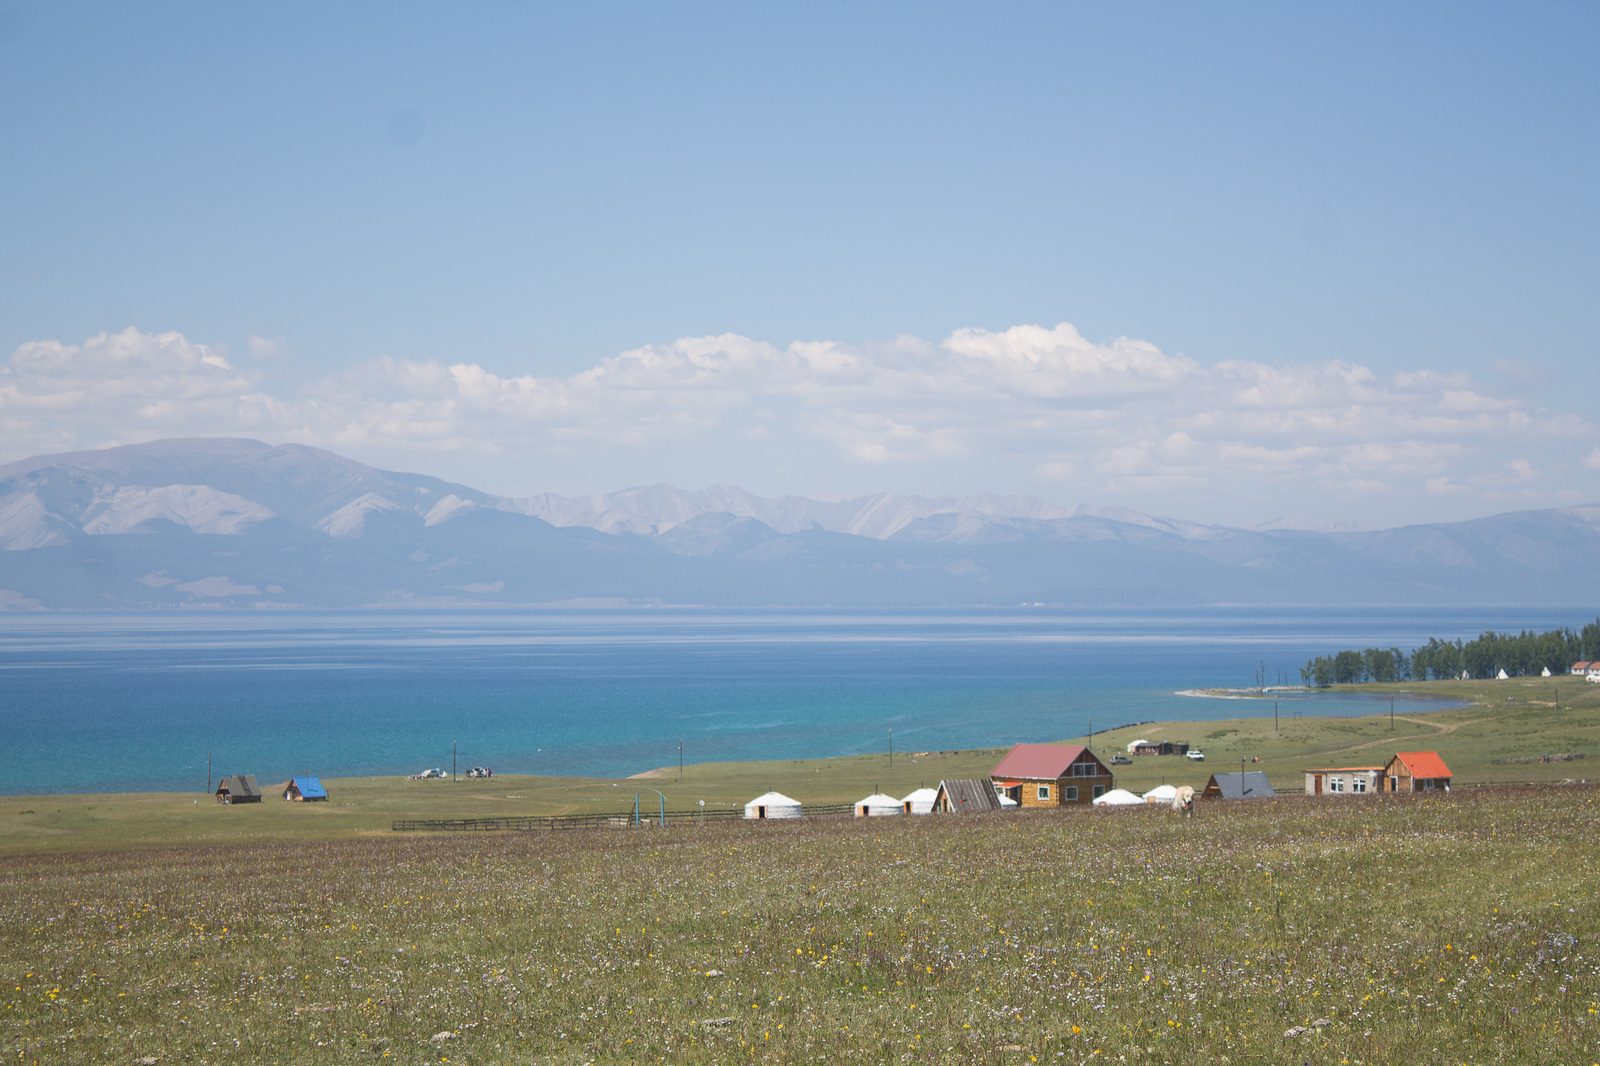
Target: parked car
[(1195, 755), (1121, 760)]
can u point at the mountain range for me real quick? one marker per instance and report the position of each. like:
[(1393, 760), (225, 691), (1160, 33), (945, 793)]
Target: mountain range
[(242, 523)]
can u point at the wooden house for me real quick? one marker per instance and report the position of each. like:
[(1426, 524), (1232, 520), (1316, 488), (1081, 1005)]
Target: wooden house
[(240, 788), (1417, 771), (965, 796), (1052, 775), (1344, 781), (303, 789), (1159, 747)]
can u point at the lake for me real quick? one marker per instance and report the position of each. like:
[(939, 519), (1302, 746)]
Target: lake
[(132, 702)]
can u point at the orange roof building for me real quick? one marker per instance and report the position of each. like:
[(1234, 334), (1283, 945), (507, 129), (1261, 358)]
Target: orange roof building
[(1417, 771)]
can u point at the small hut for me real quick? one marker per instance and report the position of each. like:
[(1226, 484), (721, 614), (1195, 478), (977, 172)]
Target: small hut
[(772, 805), (1417, 771), (920, 802), (1118, 797), (240, 788), (878, 805), (302, 789), (966, 796), (1344, 781), (1252, 784)]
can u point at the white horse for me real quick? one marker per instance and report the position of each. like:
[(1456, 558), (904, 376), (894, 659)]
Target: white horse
[(1184, 800)]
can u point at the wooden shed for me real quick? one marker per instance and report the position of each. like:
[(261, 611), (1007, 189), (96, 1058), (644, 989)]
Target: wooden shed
[(1417, 771), (303, 789), (1052, 775), (1344, 781), (1252, 784), (239, 788), (972, 795)]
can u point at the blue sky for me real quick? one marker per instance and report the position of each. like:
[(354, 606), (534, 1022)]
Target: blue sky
[(1330, 260)]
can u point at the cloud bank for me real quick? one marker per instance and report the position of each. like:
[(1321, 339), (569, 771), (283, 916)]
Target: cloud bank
[(1120, 418)]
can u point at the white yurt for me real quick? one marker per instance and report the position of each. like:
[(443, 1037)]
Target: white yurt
[(1118, 797), (772, 805), (877, 805), (920, 801), (1161, 794), (1133, 745)]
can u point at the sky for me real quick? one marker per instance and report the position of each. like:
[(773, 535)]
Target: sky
[(1225, 262)]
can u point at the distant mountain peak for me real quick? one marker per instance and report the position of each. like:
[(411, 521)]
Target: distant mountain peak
[(240, 522), (1301, 523)]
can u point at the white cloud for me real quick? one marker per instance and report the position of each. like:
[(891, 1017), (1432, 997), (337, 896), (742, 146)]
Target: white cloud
[(1121, 416), (125, 386)]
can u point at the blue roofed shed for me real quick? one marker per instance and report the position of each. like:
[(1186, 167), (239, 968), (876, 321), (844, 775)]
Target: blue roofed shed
[(304, 788)]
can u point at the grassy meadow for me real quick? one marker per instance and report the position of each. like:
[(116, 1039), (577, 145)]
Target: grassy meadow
[(1455, 928)]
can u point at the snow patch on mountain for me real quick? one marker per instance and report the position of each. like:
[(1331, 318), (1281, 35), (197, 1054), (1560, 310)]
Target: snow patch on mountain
[(199, 507), (25, 522), (351, 519), (447, 509)]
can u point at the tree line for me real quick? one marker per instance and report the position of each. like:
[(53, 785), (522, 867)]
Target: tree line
[(1519, 655)]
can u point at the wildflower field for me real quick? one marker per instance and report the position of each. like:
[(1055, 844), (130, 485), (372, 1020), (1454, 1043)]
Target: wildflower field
[(1452, 928)]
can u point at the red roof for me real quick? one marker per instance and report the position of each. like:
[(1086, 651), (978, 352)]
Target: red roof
[(1424, 763), (1038, 762)]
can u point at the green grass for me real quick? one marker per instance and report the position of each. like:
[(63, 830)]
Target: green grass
[(1452, 928)]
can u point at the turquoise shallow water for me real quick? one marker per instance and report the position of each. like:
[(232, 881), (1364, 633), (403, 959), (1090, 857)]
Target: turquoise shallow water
[(122, 702)]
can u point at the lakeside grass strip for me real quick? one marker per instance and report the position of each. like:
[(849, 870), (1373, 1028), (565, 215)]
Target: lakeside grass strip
[(1443, 928), (1499, 737)]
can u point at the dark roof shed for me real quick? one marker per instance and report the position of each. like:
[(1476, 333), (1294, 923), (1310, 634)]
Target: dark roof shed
[(1252, 784), (966, 796)]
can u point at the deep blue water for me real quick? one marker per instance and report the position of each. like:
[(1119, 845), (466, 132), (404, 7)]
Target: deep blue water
[(117, 702)]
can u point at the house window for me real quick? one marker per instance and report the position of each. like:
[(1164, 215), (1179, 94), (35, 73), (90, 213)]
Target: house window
[(1358, 783), (1044, 792), (1099, 790), (1085, 769), (1069, 792), (1335, 783)]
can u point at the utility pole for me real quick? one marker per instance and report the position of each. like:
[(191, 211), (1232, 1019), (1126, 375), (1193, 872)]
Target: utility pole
[(1391, 712), (452, 760), (1274, 714), (680, 759), (208, 773), (891, 748)]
